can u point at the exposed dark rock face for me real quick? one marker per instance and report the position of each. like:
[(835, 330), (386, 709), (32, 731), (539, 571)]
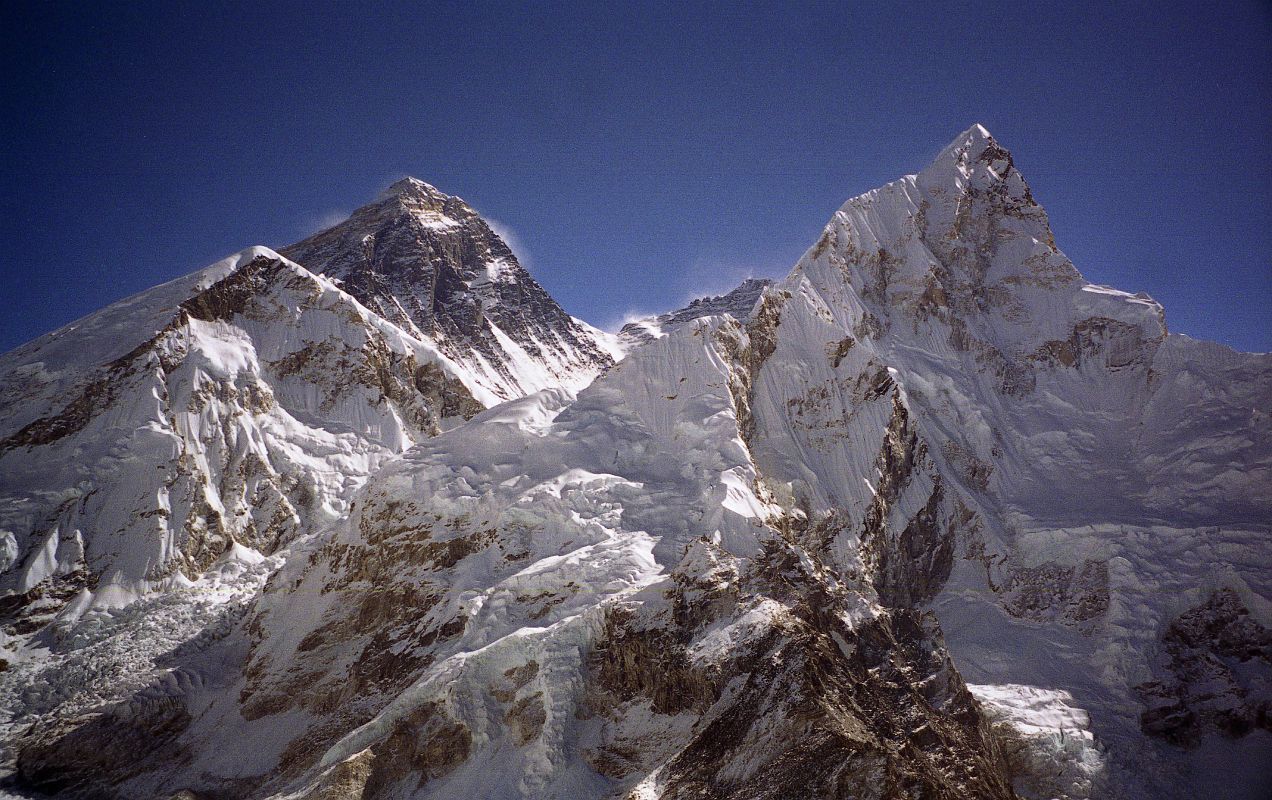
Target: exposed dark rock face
[(29, 611), (429, 263), (94, 394), (816, 704), (1071, 595), (69, 420), (1218, 674), (749, 352), (910, 565), (423, 746), (1109, 343)]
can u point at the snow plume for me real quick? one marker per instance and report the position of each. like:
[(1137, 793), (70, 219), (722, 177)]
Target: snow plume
[(323, 221), (511, 238)]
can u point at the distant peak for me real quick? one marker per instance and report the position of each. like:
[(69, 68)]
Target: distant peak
[(412, 187), (970, 144), (750, 288), (739, 302), (978, 130), (746, 292), (975, 158)]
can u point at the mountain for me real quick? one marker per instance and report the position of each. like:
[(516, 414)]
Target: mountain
[(739, 302), (229, 406), (203, 425), (430, 264), (932, 516)]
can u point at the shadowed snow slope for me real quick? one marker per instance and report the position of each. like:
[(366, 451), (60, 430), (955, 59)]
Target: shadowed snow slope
[(757, 557)]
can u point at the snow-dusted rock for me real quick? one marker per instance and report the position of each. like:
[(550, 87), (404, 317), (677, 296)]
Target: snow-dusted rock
[(430, 264)]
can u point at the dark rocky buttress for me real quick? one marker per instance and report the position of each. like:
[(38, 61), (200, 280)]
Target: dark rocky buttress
[(429, 263)]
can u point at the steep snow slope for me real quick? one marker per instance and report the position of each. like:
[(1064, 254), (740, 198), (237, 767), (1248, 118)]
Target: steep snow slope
[(252, 394), (430, 264), (164, 443), (723, 568), (1114, 476), (564, 597)]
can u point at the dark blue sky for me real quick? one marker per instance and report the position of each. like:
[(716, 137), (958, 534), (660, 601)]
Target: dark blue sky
[(638, 153)]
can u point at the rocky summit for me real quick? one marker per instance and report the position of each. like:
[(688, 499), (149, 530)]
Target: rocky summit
[(373, 517), (431, 265)]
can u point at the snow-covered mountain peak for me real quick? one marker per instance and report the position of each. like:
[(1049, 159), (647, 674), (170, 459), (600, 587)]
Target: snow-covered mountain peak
[(968, 145), (963, 258), (974, 160), (420, 203)]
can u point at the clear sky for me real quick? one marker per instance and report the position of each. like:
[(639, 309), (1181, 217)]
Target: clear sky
[(637, 153)]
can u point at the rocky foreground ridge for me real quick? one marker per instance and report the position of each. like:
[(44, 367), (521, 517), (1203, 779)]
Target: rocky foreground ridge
[(932, 516)]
